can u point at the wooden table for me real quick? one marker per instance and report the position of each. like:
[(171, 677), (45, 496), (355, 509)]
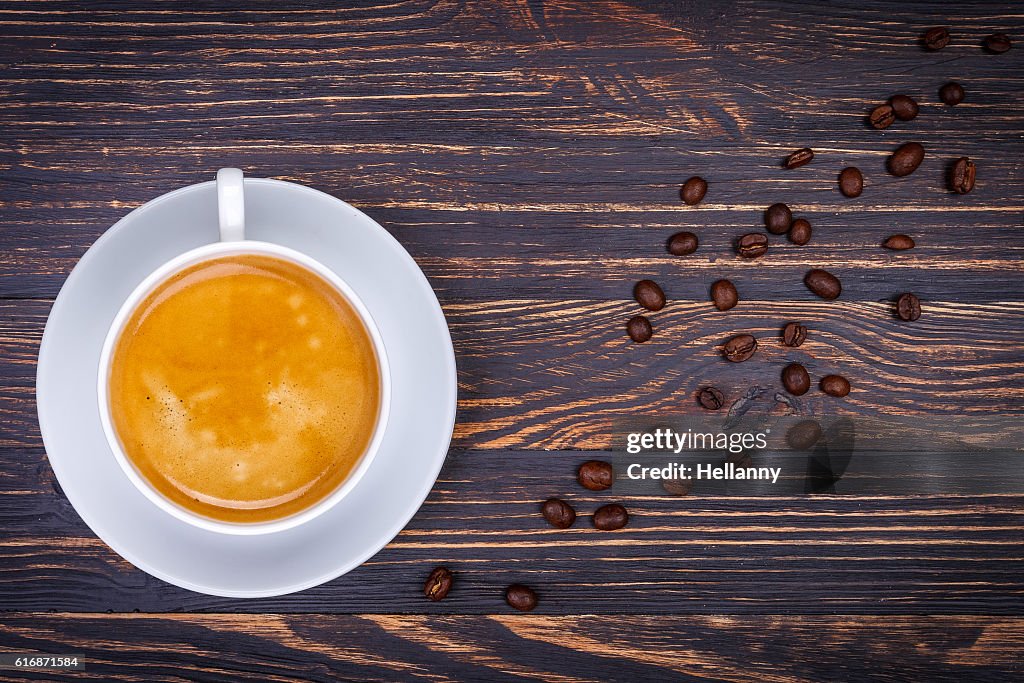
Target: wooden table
[(529, 155)]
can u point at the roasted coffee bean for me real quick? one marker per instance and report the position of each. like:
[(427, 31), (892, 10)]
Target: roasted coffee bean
[(881, 117), (952, 93), (998, 43), (908, 307), (741, 459), (851, 182), (694, 190), (677, 487), (595, 475), (823, 283), (639, 329), (739, 348), (804, 435), (438, 584), (724, 295), (898, 242), (795, 379), (778, 218), (558, 513), (649, 295), (936, 38), (961, 177), (904, 107), (800, 231), (799, 158), (610, 517), (682, 243), (710, 398), (794, 334), (520, 597), (752, 245), (906, 159), (834, 385)]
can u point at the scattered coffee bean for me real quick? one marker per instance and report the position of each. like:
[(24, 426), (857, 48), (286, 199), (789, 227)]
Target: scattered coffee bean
[(438, 584), (799, 158), (936, 38), (752, 245), (906, 159), (778, 218), (639, 329), (795, 379), (694, 190), (677, 487), (851, 182), (610, 517), (682, 243), (596, 475), (952, 93), (804, 435), (904, 107), (710, 398), (739, 348), (800, 231), (998, 43), (834, 385), (794, 334), (741, 459), (898, 242), (823, 283), (649, 295), (724, 295), (881, 117), (908, 307), (520, 597), (558, 513), (961, 177)]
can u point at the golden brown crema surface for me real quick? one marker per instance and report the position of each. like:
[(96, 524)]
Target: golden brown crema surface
[(244, 388)]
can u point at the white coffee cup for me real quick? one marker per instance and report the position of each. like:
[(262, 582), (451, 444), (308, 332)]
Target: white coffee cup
[(231, 209)]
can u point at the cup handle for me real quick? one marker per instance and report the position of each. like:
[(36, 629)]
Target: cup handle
[(231, 204)]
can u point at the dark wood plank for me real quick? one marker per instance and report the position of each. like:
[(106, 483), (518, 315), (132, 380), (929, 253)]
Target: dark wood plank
[(222, 647)]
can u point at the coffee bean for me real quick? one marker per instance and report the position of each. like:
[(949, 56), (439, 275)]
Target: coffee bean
[(438, 584), (710, 398), (904, 107), (677, 487), (739, 348), (694, 190), (881, 117), (649, 295), (520, 597), (823, 283), (558, 513), (898, 242), (610, 517), (834, 385), (799, 158), (795, 379), (851, 182), (778, 218), (952, 93), (936, 38), (961, 177), (741, 459), (803, 435), (752, 245), (998, 43), (794, 334), (682, 243), (595, 475), (908, 307), (724, 295), (906, 159), (639, 329), (800, 231)]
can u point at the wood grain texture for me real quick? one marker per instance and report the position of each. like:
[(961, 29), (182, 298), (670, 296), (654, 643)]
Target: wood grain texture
[(570, 649)]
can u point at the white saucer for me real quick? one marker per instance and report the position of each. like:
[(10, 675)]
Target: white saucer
[(424, 388)]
